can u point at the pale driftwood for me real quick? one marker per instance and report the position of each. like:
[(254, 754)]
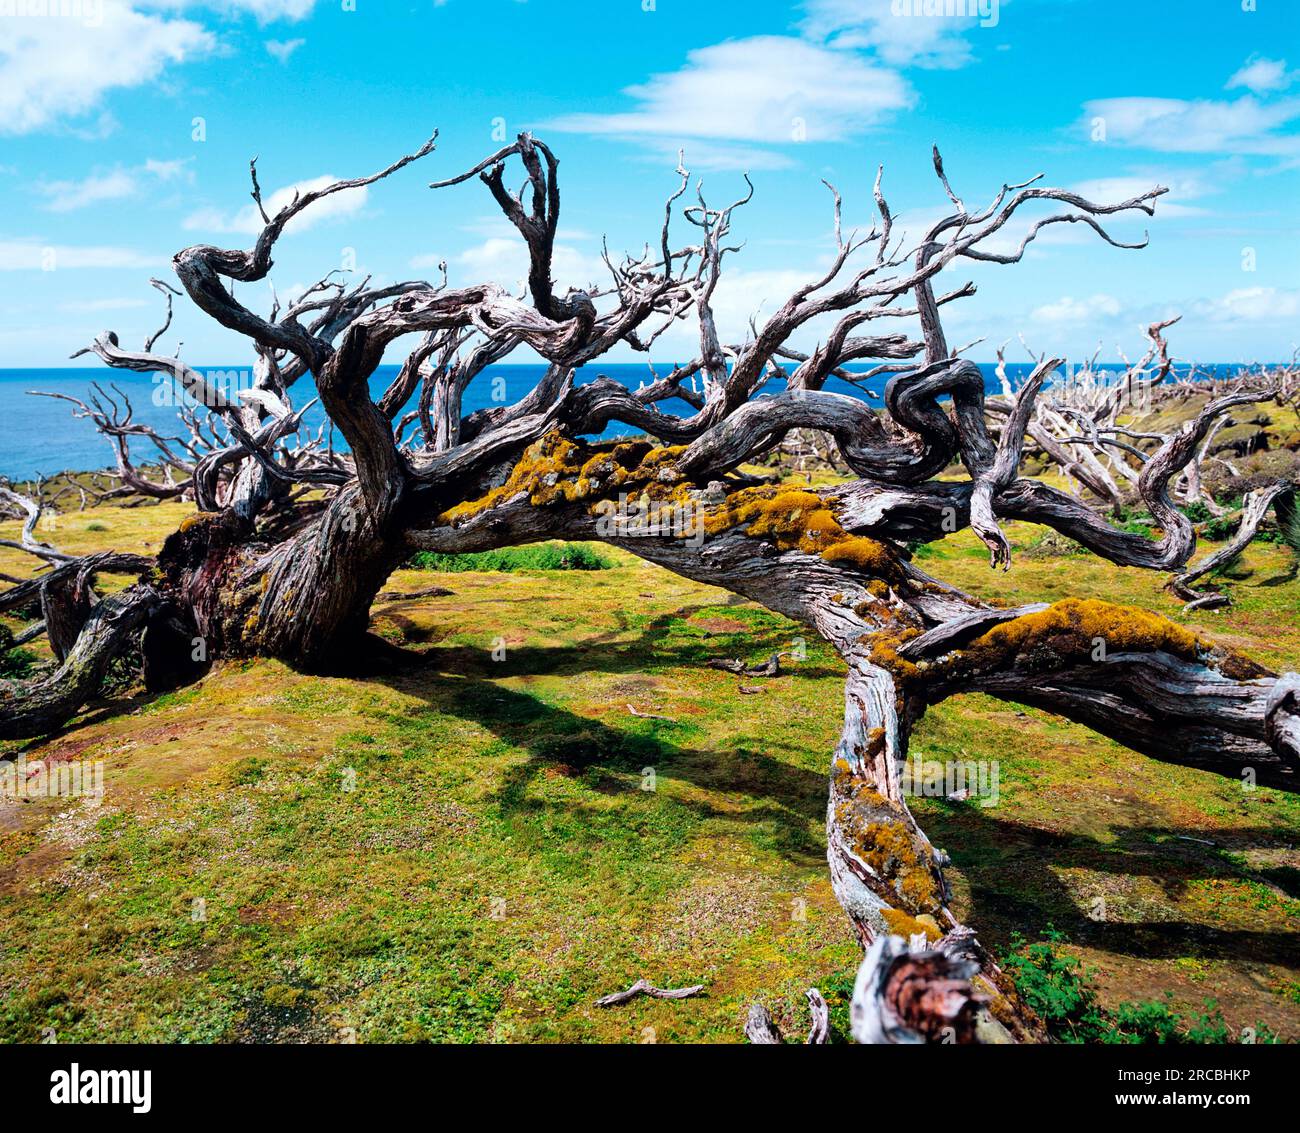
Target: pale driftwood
[(761, 1028), (1091, 426), (819, 1028), (1253, 510), (649, 715), (644, 987), (769, 668), (31, 511)]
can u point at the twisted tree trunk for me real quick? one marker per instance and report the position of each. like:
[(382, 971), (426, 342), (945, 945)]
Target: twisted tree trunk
[(291, 544)]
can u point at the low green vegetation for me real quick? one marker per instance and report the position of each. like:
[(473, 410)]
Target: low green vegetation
[(1061, 990), (537, 556), (15, 661)]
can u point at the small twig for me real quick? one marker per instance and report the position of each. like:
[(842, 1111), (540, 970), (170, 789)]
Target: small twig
[(769, 668), (650, 715), (643, 987)]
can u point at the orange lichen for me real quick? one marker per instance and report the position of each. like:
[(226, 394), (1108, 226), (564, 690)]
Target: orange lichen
[(901, 924), (1079, 627), (884, 654), (556, 468), (1076, 625), (879, 834), (1069, 632), (199, 517), (889, 848), (796, 520)]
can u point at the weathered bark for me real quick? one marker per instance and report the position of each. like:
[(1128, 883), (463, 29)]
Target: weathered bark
[(1253, 510), (911, 996), (39, 706)]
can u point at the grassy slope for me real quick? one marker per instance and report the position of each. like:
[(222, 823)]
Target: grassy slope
[(497, 864)]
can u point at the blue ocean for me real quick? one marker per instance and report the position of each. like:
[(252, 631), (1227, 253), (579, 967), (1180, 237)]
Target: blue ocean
[(40, 436)]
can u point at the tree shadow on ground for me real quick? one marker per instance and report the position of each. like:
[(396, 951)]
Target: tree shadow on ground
[(1010, 866), (759, 783), (1012, 871)]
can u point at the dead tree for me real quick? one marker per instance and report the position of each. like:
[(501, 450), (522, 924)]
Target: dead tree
[(423, 474), (1094, 425)]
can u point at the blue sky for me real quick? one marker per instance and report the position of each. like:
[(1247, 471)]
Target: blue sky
[(126, 130)]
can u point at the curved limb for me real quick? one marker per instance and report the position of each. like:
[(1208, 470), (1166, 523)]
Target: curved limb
[(1253, 509), (36, 707)]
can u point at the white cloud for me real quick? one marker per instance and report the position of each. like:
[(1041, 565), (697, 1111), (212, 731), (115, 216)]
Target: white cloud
[(504, 260), (115, 184), (53, 66), (1173, 125), (767, 89), (743, 294), (714, 157), (169, 170), (64, 196), (281, 49), (266, 11), (263, 11), (1250, 304), (248, 221), (1070, 310), (90, 306), (837, 78), (898, 31), (31, 255), (1262, 76)]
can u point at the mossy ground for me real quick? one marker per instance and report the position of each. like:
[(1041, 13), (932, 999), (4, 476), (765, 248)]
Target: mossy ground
[(496, 865)]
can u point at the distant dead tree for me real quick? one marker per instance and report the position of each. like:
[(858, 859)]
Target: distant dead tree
[(283, 557)]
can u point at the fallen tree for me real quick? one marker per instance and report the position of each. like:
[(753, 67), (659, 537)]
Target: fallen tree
[(288, 547)]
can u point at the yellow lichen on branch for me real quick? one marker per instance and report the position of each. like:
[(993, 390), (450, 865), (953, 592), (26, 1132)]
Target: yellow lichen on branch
[(557, 469), (796, 520), (1076, 629), (904, 925), (882, 838)]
